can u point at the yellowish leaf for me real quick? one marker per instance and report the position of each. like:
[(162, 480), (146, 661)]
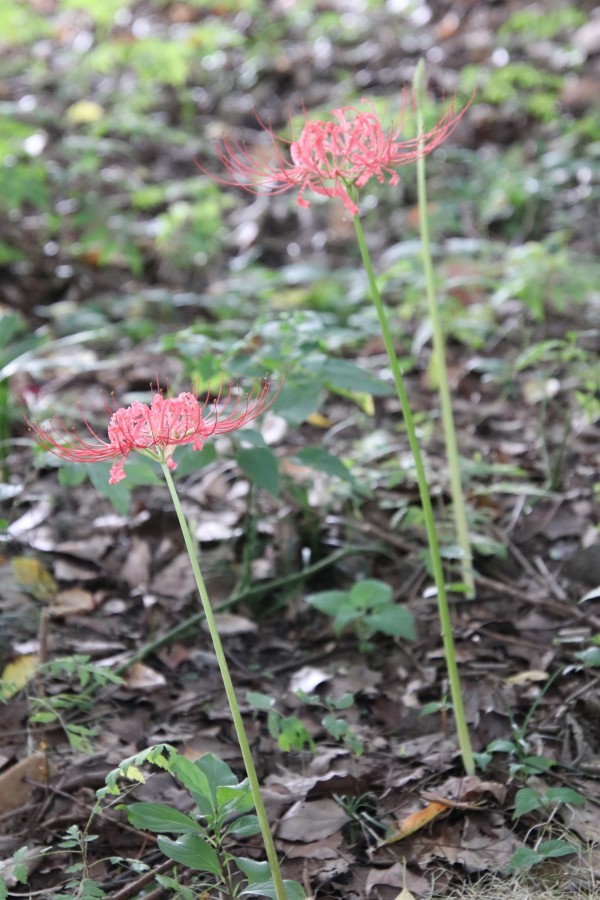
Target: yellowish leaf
[(84, 112), (34, 578), (18, 673), (417, 820), (319, 420)]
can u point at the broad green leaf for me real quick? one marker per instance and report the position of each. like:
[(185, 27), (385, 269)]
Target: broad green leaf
[(526, 800), (297, 400), (191, 851), (160, 818), (328, 602), (501, 746), (346, 616), (261, 466), (370, 593), (192, 778), (397, 621), (235, 798), (253, 870), (245, 826), (343, 702), (524, 857), (259, 701), (342, 373), (217, 773), (564, 795), (293, 890), (556, 848)]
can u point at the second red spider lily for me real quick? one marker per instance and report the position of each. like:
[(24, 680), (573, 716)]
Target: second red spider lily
[(334, 158), (157, 429)]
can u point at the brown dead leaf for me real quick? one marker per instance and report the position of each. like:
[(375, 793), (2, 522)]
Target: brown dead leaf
[(398, 876), (143, 678), (229, 624), (16, 785), (72, 601), (312, 821), (466, 792), (479, 843), (324, 849)]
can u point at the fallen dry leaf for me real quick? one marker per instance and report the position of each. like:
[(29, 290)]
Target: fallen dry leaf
[(18, 673), (71, 601), (417, 820), (312, 821), (17, 783), (143, 678), (34, 578)]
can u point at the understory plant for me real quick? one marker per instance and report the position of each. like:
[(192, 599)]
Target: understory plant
[(336, 159), (155, 431)]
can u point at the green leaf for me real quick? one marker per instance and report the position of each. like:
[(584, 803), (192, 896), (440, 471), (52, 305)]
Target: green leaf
[(218, 773), (245, 826), (346, 616), (192, 777), (564, 795), (370, 593), (234, 798), (293, 890), (259, 701), (501, 746), (261, 466), (344, 374), (590, 657), (323, 461), (524, 857), (328, 602), (297, 400), (189, 460), (343, 702), (118, 494), (558, 847), (191, 851), (160, 818), (254, 871), (526, 800), (397, 621)]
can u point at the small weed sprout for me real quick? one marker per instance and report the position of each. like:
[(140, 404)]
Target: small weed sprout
[(369, 608)]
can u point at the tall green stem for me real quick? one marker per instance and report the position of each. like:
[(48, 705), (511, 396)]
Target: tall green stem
[(434, 547), (439, 357), (229, 690)]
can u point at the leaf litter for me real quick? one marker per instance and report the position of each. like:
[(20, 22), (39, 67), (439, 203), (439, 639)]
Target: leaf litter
[(395, 821)]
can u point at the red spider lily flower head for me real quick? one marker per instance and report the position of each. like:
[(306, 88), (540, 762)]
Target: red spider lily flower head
[(155, 430), (335, 158)]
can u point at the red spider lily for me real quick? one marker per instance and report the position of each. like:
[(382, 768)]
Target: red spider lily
[(155, 430), (336, 158)]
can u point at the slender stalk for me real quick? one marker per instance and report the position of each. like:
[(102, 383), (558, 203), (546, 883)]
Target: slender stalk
[(464, 740), (439, 356), (229, 690)]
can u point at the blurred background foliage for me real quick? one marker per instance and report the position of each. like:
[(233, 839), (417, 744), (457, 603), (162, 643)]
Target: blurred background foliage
[(110, 233)]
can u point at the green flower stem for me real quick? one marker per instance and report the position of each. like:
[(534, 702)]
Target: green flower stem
[(439, 356), (229, 690), (434, 548)]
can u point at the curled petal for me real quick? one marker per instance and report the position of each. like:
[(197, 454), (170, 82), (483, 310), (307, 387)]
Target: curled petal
[(331, 157), (156, 429)]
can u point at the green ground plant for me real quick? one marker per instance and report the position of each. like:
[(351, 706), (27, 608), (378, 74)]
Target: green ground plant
[(368, 608)]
